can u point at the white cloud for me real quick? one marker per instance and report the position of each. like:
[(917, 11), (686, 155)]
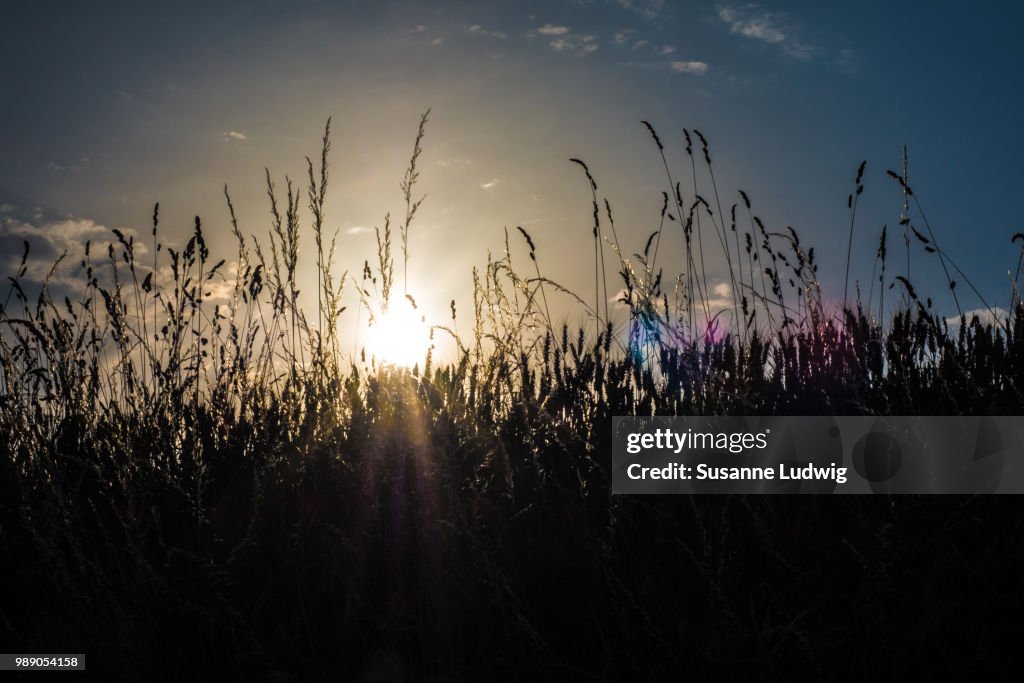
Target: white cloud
[(478, 30), (419, 29), (221, 288), (549, 30), (995, 316), (620, 298), (666, 50), (752, 22), (719, 297), (235, 135), (51, 235), (358, 230), (695, 68), (493, 182), (437, 41)]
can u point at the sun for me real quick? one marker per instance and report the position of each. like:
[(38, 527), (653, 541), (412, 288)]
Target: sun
[(399, 336)]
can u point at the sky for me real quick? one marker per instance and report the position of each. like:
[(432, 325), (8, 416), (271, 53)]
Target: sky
[(111, 107)]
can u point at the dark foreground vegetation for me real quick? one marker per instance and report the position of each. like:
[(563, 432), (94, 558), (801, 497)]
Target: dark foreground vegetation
[(198, 486)]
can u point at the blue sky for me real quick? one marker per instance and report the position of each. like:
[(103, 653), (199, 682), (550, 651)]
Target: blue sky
[(108, 109)]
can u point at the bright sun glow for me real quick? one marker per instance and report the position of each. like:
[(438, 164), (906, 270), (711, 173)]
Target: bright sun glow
[(399, 337)]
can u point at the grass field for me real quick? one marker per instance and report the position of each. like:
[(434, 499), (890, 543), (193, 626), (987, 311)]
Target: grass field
[(211, 482)]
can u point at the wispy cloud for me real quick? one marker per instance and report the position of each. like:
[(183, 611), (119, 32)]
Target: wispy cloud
[(66, 168), (692, 67), (454, 163), (695, 68), (581, 45), (750, 21), (564, 40), (746, 22), (626, 38), (478, 30), (649, 9), (847, 61), (549, 30), (493, 182), (235, 135), (422, 35), (623, 37), (358, 230)]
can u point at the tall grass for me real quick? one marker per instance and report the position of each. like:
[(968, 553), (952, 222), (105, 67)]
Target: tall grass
[(191, 482)]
